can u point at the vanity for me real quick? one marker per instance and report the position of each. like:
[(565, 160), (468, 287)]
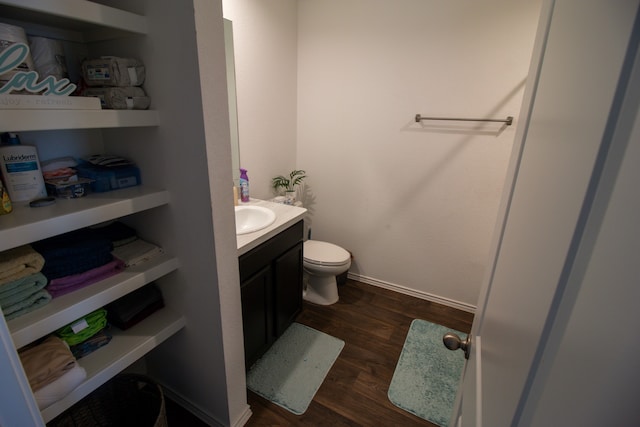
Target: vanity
[(270, 262)]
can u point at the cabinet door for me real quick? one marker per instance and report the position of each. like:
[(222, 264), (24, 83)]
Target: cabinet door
[(257, 314), (287, 287)]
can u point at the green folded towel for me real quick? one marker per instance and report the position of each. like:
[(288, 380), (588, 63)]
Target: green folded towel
[(95, 322)]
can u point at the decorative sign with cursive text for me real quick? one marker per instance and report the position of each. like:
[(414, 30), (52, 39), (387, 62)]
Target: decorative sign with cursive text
[(12, 57)]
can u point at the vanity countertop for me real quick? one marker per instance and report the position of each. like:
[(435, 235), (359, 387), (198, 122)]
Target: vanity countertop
[(286, 215)]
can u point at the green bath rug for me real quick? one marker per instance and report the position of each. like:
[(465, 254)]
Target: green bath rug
[(292, 370), (426, 378)]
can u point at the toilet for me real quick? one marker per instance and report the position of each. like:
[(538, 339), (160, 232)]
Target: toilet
[(322, 263)]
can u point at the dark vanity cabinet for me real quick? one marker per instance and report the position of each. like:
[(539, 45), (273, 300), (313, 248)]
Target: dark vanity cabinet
[(271, 288)]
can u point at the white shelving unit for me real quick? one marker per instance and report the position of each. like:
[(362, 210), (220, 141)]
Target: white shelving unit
[(67, 308), (27, 120), (83, 21), (124, 348), (26, 224)]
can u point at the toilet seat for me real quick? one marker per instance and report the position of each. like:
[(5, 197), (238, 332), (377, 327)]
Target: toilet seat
[(324, 253)]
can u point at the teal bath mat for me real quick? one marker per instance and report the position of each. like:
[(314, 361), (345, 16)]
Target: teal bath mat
[(426, 378), (292, 370)]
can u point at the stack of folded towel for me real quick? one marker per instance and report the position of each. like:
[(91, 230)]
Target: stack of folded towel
[(33, 274), (51, 369), (21, 281), (127, 246), (86, 334), (137, 252), (75, 260)]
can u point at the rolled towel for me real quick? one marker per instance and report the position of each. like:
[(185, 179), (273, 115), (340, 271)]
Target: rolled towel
[(33, 302), (19, 262), (60, 387), (46, 362), (19, 290)]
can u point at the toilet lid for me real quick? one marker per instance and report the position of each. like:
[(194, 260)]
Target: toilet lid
[(325, 253)]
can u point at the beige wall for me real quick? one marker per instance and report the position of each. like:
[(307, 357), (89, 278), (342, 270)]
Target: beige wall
[(415, 204)]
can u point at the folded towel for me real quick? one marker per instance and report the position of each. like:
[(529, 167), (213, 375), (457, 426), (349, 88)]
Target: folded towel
[(100, 339), (19, 262), (60, 387), (33, 302), (137, 252), (135, 306), (73, 253), (21, 289), (64, 285), (46, 362), (86, 327)]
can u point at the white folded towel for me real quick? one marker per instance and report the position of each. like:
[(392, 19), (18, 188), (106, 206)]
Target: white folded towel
[(137, 252), (59, 388)]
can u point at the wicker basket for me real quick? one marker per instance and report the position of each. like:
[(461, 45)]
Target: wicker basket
[(128, 400)]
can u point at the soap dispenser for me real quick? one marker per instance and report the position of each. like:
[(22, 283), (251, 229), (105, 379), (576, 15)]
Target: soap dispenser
[(244, 185)]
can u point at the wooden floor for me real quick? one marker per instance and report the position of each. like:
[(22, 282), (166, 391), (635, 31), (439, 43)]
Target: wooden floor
[(374, 323)]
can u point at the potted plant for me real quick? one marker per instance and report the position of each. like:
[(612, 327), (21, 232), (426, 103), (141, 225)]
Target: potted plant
[(287, 185)]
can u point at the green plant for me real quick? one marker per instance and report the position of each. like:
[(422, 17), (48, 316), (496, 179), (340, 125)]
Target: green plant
[(288, 183)]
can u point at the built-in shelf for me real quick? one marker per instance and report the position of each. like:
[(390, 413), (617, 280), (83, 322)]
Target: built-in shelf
[(125, 348), (82, 22), (30, 120), (26, 224), (95, 21), (63, 310)]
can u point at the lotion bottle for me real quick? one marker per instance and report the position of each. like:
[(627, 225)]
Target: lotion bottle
[(244, 185), (20, 169)]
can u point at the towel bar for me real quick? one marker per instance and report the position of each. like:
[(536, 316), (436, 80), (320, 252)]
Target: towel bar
[(508, 121)]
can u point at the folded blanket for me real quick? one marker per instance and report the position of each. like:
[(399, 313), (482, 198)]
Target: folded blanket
[(137, 252), (46, 362), (27, 305), (19, 262), (100, 339), (21, 289), (86, 327), (64, 285), (60, 387)]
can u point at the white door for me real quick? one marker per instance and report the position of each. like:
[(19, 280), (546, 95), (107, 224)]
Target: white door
[(566, 126)]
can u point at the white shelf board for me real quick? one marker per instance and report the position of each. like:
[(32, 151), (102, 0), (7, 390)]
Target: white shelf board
[(48, 119), (70, 307), (73, 14), (26, 224), (125, 348)]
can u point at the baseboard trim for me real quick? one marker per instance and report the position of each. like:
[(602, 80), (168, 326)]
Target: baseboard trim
[(412, 292), (206, 418)]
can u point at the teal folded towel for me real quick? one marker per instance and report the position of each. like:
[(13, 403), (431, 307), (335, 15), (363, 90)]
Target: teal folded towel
[(21, 289), (33, 302)]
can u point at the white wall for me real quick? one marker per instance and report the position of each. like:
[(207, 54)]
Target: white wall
[(414, 203)]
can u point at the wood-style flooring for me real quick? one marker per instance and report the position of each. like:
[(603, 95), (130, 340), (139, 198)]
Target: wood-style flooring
[(373, 322)]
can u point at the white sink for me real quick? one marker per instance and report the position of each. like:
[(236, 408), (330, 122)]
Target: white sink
[(253, 218)]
